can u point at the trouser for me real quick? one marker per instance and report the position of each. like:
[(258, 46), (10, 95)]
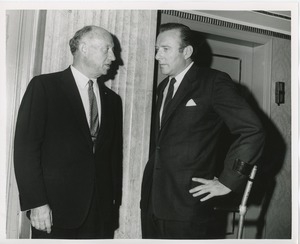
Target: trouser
[(156, 228)]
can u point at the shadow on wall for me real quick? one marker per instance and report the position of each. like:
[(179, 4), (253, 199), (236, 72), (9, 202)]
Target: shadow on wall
[(111, 74), (271, 161), (113, 71), (202, 54), (271, 164)]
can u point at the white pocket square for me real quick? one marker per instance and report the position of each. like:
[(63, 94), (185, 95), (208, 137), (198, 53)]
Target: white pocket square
[(190, 103)]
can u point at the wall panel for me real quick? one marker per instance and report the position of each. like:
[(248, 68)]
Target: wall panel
[(278, 218)]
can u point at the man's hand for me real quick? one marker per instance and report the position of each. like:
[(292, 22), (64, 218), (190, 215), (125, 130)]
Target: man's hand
[(212, 187), (41, 218)]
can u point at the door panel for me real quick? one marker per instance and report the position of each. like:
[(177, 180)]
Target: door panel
[(228, 64)]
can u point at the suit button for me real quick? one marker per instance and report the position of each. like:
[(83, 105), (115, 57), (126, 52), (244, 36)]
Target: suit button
[(157, 148)]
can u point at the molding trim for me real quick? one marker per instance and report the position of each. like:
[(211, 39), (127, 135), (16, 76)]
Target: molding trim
[(235, 58), (273, 14), (223, 23)]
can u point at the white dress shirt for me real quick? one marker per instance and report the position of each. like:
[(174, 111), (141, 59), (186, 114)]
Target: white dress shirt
[(83, 85)]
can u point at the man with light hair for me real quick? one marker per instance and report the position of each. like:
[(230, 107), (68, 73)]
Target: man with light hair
[(68, 145)]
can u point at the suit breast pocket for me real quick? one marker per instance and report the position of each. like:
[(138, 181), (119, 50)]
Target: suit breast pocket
[(190, 117), (194, 109), (198, 108)]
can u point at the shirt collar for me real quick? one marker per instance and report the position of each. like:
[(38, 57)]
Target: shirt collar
[(80, 78), (180, 76)]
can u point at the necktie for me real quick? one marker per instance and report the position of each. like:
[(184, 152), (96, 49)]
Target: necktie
[(168, 97), (94, 120)]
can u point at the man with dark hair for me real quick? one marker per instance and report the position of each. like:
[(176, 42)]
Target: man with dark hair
[(68, 145), (179, 183)]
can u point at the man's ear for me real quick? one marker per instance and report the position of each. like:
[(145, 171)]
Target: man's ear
[(82, 47), (188, 51)]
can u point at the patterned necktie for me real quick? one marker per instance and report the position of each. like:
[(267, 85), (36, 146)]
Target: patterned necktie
[(168, 97), (94, 119)]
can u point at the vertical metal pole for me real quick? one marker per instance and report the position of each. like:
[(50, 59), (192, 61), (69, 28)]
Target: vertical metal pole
[(243, 206)]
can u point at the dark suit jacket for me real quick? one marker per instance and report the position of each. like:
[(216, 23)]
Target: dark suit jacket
[(53, 150), (185, 145)]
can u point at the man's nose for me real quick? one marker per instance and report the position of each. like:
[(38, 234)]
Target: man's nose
[(158, 55), (112, 56)]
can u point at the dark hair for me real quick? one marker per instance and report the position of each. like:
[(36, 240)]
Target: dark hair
[(74, 42), (188, 37)]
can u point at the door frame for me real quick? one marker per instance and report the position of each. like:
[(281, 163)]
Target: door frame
[(261, 39)]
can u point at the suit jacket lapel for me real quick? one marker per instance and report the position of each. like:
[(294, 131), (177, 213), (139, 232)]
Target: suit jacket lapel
[(70, 88), (158, 106), (105, 115), (184, 89)]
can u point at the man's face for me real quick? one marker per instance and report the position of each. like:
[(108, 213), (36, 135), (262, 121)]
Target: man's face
[(99, 54), (169, 53)]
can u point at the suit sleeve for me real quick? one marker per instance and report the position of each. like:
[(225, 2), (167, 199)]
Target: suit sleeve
[(29, 135), (243, 123)]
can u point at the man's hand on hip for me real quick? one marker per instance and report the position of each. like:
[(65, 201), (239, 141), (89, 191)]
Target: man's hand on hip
[(41, 218), (211, 187)]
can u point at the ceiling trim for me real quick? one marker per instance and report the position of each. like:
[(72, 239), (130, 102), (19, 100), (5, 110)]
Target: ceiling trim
[(273, 14), (225, 23)]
